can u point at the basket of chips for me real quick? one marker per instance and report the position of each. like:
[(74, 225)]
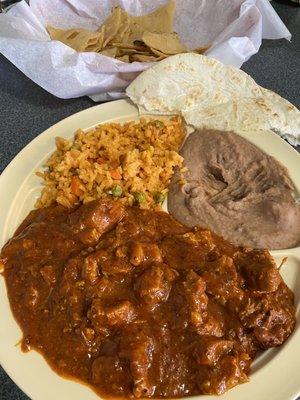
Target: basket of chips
[(96, 48)]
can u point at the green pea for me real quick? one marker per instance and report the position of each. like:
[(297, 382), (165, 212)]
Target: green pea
[(159, 198), (158, 124), (139, 197), (76, 146), (116, 191)]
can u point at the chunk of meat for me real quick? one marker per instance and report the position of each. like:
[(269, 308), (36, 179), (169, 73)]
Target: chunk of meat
[(268, 317), (209, 350), (222, 280), (259, 271), (127, 227), (102, 288), (70, 274), (214, 321), (93, 219), (105, 262), (142, 226), (157, 227), (211, 326), (121, 313), (110, 372), (243, 338), (89, 236), (275, 328), (137, 346), (192, 257), (154, 284), (166, 225), (121, 251), (201, 238), (227, 373), (106, 316), (115, 265), (90, 271), (145, 252), (194, 291)]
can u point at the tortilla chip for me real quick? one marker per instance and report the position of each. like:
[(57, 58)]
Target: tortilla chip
[(167, 43), (123, 51), (78, 39), (100, 42), (160, 20), (98, 46), (144, 58), (124, 58), (128, 46), (112, 25), (124, 30), (159, 53), (109, 52)]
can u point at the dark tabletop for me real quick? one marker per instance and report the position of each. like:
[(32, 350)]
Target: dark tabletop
[(27, 110)]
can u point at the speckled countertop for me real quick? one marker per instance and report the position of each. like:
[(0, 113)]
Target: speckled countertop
[(27, 110)]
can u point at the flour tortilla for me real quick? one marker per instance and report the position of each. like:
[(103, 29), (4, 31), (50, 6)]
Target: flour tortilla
[(211, 95)]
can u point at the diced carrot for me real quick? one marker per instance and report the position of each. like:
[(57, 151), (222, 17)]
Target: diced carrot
[(76, 185), (72, 198), (115, 174)]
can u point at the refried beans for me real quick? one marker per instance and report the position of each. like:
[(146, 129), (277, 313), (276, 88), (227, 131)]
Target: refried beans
[(235, 189)]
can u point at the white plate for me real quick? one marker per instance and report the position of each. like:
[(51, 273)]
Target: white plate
[(275, 374)]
